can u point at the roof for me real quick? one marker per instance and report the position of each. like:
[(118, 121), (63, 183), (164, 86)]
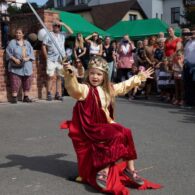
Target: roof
[(107, 15), (75, 8), (139, 29), (79, 24)]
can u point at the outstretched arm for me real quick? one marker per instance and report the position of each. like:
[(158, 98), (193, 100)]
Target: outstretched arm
[(124, 87)]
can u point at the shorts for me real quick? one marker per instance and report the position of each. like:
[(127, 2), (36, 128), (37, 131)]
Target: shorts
[(54, 68)]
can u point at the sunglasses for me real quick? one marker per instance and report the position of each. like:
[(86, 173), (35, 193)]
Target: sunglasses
[(56, 25)]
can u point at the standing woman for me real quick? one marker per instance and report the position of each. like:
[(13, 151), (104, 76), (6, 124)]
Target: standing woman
[(172, 43), (80, 50), (150, 62), (125, 58), (95, 47), (20, 55), (108, 55)]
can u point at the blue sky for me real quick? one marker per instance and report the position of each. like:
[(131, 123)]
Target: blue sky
[(39, 2)]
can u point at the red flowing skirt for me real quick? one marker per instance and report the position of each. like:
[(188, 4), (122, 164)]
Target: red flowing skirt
[(99, 144)]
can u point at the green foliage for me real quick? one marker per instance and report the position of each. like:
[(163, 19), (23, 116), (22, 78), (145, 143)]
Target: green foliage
[(13, 10), (26, 9)]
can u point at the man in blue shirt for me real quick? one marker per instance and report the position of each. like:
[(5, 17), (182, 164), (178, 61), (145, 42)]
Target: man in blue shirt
[(54, 59)]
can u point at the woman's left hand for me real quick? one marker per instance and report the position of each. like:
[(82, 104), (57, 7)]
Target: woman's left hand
[(146, 74)]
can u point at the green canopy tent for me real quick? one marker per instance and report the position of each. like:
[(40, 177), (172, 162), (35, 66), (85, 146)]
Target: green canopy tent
[(79, 24), (139, 29)]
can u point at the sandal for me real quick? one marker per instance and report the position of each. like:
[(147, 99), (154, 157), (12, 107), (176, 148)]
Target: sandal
[(101, 179), (133, 176)]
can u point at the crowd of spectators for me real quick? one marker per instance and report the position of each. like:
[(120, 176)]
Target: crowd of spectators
[(172, 58)]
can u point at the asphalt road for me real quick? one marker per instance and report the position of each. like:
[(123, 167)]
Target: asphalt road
[(36, 158)]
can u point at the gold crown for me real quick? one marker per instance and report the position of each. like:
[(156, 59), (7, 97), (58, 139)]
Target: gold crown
[(99, 63)]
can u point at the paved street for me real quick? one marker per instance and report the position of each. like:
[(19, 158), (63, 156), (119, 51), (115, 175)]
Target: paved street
[(36, 158)]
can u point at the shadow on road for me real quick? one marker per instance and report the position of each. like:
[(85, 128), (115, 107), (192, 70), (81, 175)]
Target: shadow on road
[(51, 164), (188, 114)]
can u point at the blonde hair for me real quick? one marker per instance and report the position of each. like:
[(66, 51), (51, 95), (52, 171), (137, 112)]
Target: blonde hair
[(106, 85), (79, 43)]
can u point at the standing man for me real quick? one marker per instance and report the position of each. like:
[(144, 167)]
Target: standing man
[(54, 59), (189, 71)]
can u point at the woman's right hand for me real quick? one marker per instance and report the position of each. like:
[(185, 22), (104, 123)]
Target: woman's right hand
[(17, 61)]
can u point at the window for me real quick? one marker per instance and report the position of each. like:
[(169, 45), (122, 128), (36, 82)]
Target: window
[(59, 3), (132, 17), (175, 15)]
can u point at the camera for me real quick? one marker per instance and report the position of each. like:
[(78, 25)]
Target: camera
[(125, 41)]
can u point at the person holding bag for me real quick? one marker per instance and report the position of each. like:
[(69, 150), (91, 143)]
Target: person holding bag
[(20, 56)]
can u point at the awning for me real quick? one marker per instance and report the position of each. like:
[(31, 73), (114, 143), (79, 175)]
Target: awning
[(79, 24), (139, 29)]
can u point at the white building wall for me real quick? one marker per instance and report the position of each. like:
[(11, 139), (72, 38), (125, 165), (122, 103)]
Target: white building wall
[(162, 9), (168, 4), (147, 7), (157, 9)]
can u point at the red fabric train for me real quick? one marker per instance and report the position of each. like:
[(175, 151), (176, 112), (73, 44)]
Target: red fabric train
[(98, 144)]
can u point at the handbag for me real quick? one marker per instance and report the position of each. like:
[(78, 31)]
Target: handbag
[(14, 65)]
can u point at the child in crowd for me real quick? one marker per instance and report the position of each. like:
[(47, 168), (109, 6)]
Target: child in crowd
[(137, 89), (177, 73), (165, 81), (98, 140)]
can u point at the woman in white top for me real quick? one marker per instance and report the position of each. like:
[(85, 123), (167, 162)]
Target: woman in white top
[(95, 47)]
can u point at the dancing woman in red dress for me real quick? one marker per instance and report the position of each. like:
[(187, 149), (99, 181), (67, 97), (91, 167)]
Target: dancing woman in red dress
[(105, 149)]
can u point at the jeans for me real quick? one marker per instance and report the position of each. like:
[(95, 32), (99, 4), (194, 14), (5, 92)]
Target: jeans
[(110, 70), (124, 74)]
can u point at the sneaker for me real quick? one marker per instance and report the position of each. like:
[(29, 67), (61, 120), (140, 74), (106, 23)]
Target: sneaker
[(133, 177), (49, 98), (181, 103), (175, 102), (58, 97), (101, 179), (27, 99), (14, 100)]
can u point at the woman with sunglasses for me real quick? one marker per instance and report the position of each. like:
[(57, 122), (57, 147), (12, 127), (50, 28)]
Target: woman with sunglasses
[(95, 47)]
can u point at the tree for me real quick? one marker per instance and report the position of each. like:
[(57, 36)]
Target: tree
[(13, 10), (26, 9)]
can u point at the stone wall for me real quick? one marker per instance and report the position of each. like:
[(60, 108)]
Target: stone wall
[(29, 23)]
